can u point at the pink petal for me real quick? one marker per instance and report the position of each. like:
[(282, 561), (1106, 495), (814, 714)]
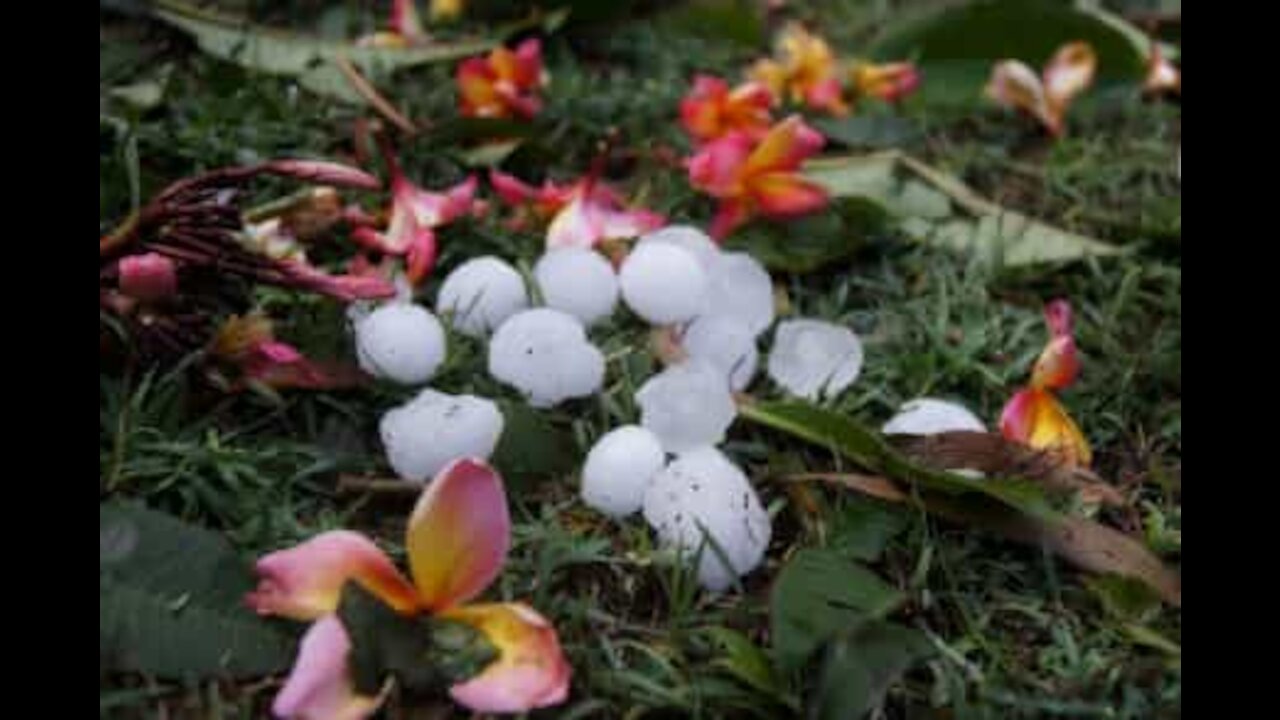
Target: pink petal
[(343, 287), (784, 195), (531, 670), (785, 147), (511, 189), (319, 171), (421, 257), (528, 55), (1057, 315), (320, 685), (148, 277), (458, 534), (729, 216), (405, 21), (717, 169), (574, 226)]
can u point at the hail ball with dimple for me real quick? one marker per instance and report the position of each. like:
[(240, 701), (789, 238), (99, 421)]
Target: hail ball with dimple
[(810, 358), (433, 429), (545, 354), (480, 294)]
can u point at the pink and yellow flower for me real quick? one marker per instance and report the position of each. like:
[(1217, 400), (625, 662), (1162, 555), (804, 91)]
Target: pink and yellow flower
[(457, 541), (582, 214), (248, 344), (761, 177), (890, 82), (802, 71), (712, 110), (1033, 416), (1046, 98), (504, 83)]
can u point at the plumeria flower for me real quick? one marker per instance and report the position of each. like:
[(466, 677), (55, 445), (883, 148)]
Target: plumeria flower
[(582, 214), (457, 541), (148, 277), (803, 71), (248, 343), (759, 177), (1162, 75), (405, 28), (1015, 85), (504, 83), (1033, 416), (890, 82), (712, 110)]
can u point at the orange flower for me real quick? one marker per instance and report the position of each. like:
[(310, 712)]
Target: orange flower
[(759, 177), (711, 110), (579, 215), (1046, 98), (503, 84), (803, 70), (1033, 416), (889, 81)]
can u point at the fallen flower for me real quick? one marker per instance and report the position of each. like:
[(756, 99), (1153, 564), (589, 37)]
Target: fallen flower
[(248, 344), (457, 541), (148, 277), (504, 83), (1162, 75), (712, 110), (803, 70), (890, 82), (1067, 74), (582, 214)]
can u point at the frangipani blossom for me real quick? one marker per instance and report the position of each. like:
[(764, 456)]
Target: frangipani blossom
[(890, 82), (712, 110), (148, 277), (248, 343), (504, 83), (457, 540), (803, 71), (1033, 416), (1015, 85), (580, 215), (1162, 75), (749, 177), (404, 28)]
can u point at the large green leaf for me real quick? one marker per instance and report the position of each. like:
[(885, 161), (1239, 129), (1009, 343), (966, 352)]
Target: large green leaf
[(171, 601), (818, 595), (861, 665), (934, 207)]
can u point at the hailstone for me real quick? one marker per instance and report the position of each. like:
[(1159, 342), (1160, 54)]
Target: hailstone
[(480, 293), (727, 343), (687, 405), (929, 416), (741, 288), (432, 430), (812, 357), (578, 281), (545, 354), (400, 342), (663, 283), (619, 468)]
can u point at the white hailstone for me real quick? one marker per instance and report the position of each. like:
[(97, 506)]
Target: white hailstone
[(663, 283), (687, 405), (929, 416), (432, 430), (727, 343), (400, 342), (688, 237), (811, 358), (619, 468), (740, 287), (480, 293), (545, 354), (700, 490), (578, 281)]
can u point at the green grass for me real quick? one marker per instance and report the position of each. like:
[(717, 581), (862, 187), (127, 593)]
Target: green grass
[(1018, 633)]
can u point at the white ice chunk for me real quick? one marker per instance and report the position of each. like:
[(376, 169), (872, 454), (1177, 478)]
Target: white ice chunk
[(425, 434), (663, 283), (740, 287), (687, 405), (578, 281), (480, 293), (619, 468), (688, 237), (930, 416), (400, 342), (727, 343), (703, 491), (545, 354), (812, 357)]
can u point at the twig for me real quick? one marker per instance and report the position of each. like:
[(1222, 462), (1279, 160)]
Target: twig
[(352, 484)]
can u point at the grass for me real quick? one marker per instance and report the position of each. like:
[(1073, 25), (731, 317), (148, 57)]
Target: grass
[(1018, 634)]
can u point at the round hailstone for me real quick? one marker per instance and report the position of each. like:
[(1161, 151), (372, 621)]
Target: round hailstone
[(701, 490), (427, 433), (688, 237), (688, 405), (545, 354), (811, 358), (740, 287), (930, 416), (725, 342), (663, 283), (400, 342), (480, 293), (578, 281), (619, 469)]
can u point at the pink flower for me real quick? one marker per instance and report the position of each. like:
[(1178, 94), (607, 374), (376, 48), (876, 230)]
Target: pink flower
[(581, 215), (148, 277), (502, 84), (711, 110)]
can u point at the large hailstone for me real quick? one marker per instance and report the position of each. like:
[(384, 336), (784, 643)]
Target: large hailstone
[(727, 343), (663, 283), (701, 490), (545, 354), (688, 237), (432, 430), (619, 468), (741, 288), (688, 405), (400, 342), (578, 281), (811, 358), (480, 293), (930, 416)]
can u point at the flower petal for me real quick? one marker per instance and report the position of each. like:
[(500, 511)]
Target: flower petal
[(785, 147), (573, 226), (530, 671), (305, 582), (321, 171), (1057, 366), (729, 216), (148, 277), (459, 534), (511, 189), (405, 21), (320, 685), (700, 110), (1162, 75), (786, 194), (1068, 74), (717, 169), (1035, 418), (827, 94), (889, 81), (421, 257), (1017, 87), (343, 287)]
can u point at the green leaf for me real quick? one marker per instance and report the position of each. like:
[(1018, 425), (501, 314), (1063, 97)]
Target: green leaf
[(863, 528), (870, 131), (1124, 598), (809, 243), (171, 601), (861, 665), (818, 595), (934, 207), (748, 663), (738, 21), (532, 448)]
